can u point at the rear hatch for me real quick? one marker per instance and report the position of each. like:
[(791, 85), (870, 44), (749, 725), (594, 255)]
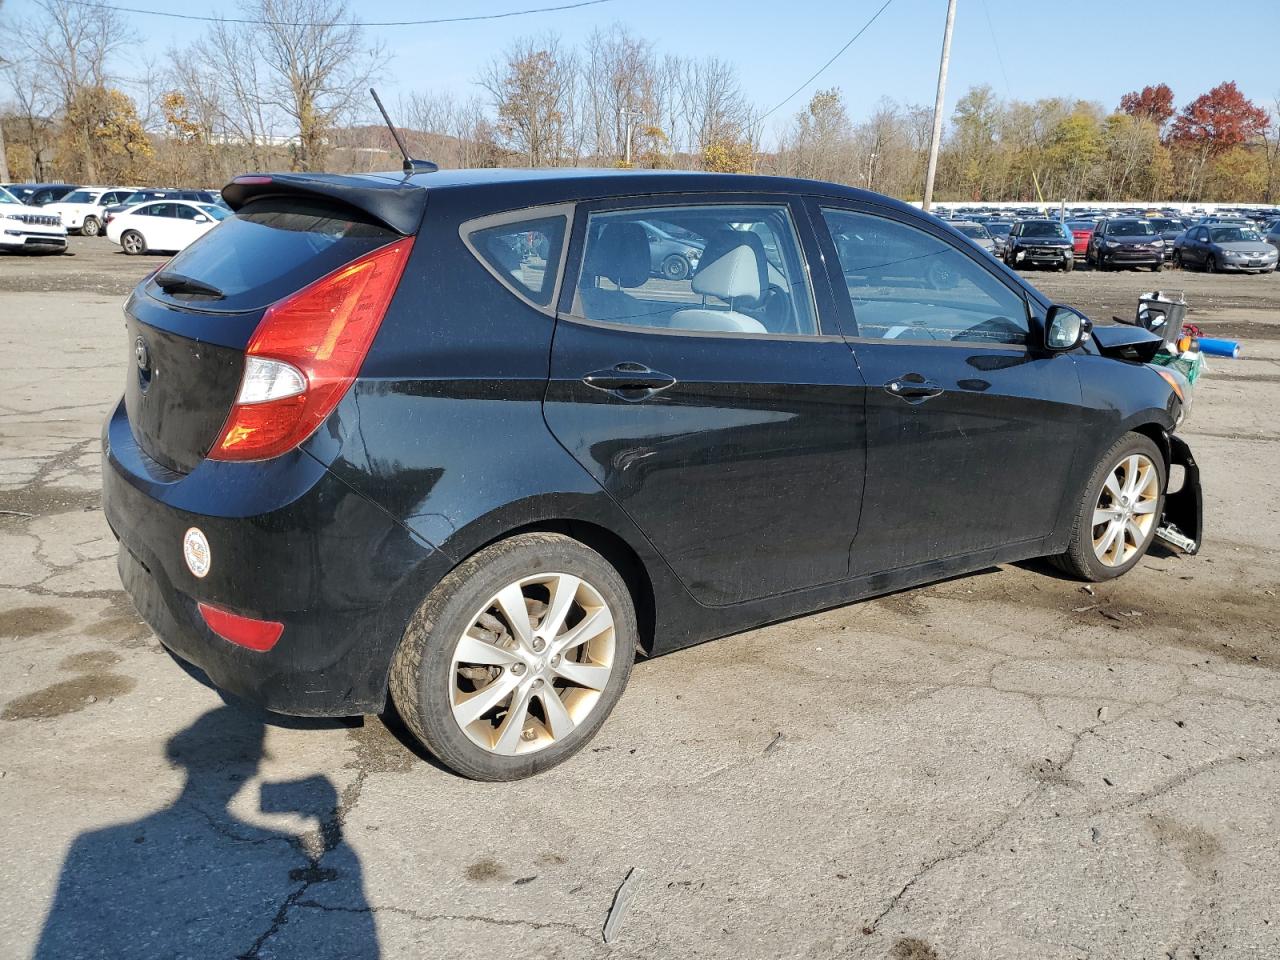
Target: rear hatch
[(190, 323)]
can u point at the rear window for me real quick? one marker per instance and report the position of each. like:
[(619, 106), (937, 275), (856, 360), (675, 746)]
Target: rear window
[(274, 247)]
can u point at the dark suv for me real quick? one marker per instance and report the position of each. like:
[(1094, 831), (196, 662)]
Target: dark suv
[(446, 439), (1039, 243), (1126, 242)]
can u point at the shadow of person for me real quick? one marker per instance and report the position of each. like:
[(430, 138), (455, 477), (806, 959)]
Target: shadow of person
[(195, 880)]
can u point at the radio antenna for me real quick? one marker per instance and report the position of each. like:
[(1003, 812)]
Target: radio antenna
[(411, 166)]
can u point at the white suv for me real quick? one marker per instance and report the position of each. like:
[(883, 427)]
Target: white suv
[(29, 228), (81, 209)]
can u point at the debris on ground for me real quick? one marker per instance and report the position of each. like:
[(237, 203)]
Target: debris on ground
[(773, 744), (621, 900)]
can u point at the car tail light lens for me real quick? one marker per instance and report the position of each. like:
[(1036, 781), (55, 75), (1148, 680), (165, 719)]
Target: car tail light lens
[(306, 353), (259, 635)]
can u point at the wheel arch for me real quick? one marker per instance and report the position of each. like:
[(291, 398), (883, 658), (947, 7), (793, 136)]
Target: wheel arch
[(609, 544)]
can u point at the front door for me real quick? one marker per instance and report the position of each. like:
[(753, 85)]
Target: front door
[(718, 406), (971, 431)]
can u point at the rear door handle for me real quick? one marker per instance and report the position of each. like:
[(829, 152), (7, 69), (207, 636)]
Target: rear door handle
[(629, 378), (913, 388)]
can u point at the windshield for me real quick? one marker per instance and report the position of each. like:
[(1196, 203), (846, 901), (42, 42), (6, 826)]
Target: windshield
[(999, 229), (975, 230), (218, 213), (1041, 229), (80, 196), (7, 197), (1233, 234), (1130, 228)]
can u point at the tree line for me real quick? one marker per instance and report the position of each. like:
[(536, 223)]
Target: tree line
[(86, 102)]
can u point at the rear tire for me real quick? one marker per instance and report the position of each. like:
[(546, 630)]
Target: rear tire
[(675, 267), (461, 645), (133, 243), (1082, 558), (91, 227)]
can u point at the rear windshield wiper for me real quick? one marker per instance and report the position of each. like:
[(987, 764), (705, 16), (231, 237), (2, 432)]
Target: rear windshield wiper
[(171, 282)]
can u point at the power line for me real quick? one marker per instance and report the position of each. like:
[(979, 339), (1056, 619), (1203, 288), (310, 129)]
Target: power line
[(349, 23), (819, 71)]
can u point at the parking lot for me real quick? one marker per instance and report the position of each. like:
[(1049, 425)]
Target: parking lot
[(1004, 765)]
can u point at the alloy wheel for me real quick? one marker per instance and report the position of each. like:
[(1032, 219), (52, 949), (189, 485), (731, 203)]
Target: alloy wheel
[(532, 664), (90, 227), (132, 242), (1126, 510)]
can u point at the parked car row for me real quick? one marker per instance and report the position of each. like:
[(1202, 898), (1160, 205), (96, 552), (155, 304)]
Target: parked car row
[(164, 219), (1214, 242)]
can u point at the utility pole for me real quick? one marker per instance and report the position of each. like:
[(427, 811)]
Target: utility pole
[(936, 141)]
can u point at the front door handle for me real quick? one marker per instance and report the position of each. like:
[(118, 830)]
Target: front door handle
[(631, 381), (913, 388)]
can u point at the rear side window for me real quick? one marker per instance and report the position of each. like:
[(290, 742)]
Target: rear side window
[(523, 250), (274, 247)]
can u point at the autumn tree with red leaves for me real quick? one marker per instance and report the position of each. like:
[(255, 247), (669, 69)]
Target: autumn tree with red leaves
[(1214, 123), (1154, 103)]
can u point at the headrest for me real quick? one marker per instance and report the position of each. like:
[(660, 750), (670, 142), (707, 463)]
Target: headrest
[(621, 253), (733, 267)]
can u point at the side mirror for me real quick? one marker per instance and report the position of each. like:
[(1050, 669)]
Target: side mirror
[(1065, 328), (201, 218)]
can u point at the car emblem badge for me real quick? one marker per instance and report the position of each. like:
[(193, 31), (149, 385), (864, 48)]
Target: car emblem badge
[(142, 354), (195, 550)]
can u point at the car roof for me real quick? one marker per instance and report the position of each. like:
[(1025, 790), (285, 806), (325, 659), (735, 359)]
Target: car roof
[(399, 200)]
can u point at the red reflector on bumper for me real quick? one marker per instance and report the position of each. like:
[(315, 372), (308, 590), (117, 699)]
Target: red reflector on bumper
[(260, 635)]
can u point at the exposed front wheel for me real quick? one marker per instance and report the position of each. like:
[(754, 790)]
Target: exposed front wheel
[(91, 227), (132, 243), (1210, 264), (515, 660), (1117, 517)]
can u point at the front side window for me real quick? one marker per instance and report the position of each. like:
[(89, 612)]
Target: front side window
[(722, 268), (906, 284), (522, 250)]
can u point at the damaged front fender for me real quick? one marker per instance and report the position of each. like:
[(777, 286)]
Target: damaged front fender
[(1182, 524)]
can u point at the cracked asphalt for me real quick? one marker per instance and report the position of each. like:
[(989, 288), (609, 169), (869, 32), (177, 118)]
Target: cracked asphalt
[(1004, 765)]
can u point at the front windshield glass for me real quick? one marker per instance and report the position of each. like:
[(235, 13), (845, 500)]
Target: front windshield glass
[(1233, 234), (1130, 228), (7, 197), (1041, 229), (999, 229)]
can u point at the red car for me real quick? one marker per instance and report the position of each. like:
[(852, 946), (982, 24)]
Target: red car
[(1081, 231)]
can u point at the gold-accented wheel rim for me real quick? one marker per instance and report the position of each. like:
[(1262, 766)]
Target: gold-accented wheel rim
[(532, 664), (1126, 510)]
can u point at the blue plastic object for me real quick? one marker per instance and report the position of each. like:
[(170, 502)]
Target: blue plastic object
[(1220, 348)]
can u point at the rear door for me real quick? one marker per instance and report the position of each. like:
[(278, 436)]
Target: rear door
[(970, 430), (721, 409)]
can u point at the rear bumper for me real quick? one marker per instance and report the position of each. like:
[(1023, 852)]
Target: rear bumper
[(288, 542)]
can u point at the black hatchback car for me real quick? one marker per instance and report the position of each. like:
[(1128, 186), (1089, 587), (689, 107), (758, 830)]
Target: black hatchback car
[(445, 439)]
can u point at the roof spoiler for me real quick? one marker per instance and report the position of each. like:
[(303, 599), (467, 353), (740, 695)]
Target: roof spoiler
[(396, 203)]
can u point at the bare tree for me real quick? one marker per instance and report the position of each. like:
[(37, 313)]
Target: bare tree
[(532, 87), (317, 64), (72, 44)]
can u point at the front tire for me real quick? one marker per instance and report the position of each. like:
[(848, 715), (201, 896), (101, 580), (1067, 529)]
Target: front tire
[(133, 243), (514, 661), (1211, 264), (1117, 516)]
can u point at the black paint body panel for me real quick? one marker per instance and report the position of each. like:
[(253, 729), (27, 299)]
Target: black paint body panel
[(776, 477)]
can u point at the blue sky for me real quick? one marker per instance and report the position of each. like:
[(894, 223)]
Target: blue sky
[(1092, 49)]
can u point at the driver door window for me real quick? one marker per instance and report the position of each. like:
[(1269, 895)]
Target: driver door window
[(907, 285), (714, 269)]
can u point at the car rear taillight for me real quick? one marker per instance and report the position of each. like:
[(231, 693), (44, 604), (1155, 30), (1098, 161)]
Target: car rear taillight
[(306, 353), (259, 635)]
